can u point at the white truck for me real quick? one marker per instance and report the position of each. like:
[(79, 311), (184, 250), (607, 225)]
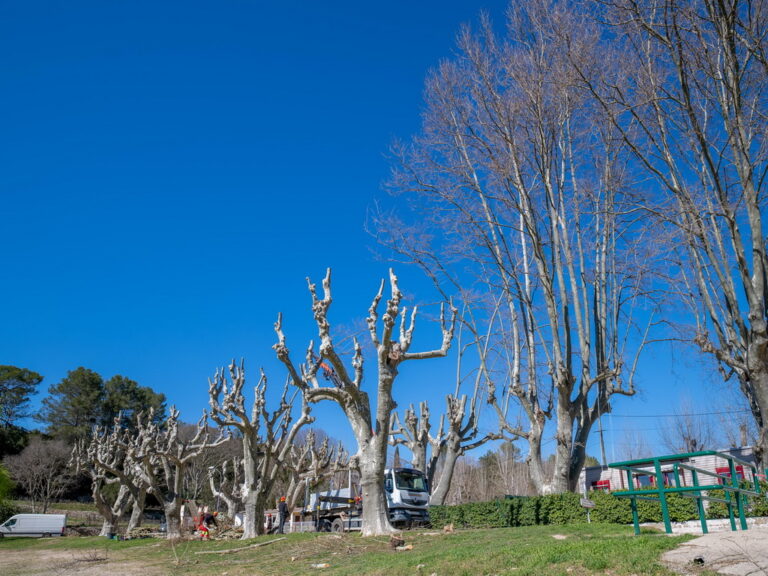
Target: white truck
[(34, 525), (339, 510)]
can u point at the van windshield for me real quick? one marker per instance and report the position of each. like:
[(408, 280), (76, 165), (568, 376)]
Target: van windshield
[(411, 480)]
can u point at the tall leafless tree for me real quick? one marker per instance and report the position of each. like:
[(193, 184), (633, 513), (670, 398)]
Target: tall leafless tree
[(161, 455), (370, 424), (690, 98), (267, 437), (526, 209)]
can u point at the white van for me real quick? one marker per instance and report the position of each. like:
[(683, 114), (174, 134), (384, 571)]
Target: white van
[(34, 525)]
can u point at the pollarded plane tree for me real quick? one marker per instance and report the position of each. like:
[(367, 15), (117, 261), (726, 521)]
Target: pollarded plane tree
[(436, 455), (686, 85), (267, 436), (310, 463), (370, 422), (160, 455), (523, 199), (226, 482), (96, 457)]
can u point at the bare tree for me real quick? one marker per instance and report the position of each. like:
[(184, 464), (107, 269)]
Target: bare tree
[(634, 446), (196, 478), (267, 437), (691, 103), (41, 469), (687, 431), (106, 456), (226, 482), (370, 426), (160, 457), (524, 184), (110, 495), (311, 463), (436, 455), (466, 482), (737, 426)]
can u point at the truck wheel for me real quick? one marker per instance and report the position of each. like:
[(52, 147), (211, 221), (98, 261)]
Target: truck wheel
[(324, 526), (338, 525)]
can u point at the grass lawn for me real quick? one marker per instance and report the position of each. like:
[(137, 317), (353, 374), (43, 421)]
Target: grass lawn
[(574, 550)]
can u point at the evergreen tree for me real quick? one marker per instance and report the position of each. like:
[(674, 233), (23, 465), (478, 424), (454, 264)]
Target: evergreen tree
[(123, 395), (75, 405), (17, 385)]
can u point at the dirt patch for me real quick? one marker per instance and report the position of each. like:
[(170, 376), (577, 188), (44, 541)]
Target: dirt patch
[(92, 562)]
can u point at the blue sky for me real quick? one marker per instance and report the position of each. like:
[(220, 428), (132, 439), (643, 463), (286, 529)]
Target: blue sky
[(172, 171)]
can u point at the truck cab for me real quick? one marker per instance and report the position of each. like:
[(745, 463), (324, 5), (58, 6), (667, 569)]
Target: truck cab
[(340, 510), (407, 496)]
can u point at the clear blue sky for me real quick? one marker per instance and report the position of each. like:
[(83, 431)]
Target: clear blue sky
[(171, 171)]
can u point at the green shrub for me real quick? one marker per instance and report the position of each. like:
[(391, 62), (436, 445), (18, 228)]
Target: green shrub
[(7, 509), (6, 487), (529, 514), (759, 504), (562, 509), (566, 508), (443, 515), (609, 509), (514, 512), (756, 505)]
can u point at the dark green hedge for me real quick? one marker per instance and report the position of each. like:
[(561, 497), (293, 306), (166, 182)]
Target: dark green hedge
[(756, 505), (7, 509), (565, 509)]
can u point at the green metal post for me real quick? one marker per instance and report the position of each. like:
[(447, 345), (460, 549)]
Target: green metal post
[(635, 517), (662, 495), (700, 503), (737, 493), (729, 503)]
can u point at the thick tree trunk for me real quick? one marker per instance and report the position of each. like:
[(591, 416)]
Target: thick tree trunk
[(174, 476), (419, 459), (109, 525), (372, 464), (173, 519), (232, 506), (563, 446), (137, 509), (756, 392), (440, 490), (252, 523), (110, 512), (539, 479)]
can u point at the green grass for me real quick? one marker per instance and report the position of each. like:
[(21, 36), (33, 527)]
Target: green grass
[(64, 506), (577, 550)]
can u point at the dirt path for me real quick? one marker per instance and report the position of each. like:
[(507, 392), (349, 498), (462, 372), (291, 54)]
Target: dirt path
[(70, 563)]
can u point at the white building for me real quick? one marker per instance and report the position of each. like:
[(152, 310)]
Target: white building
[(599, 478)]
